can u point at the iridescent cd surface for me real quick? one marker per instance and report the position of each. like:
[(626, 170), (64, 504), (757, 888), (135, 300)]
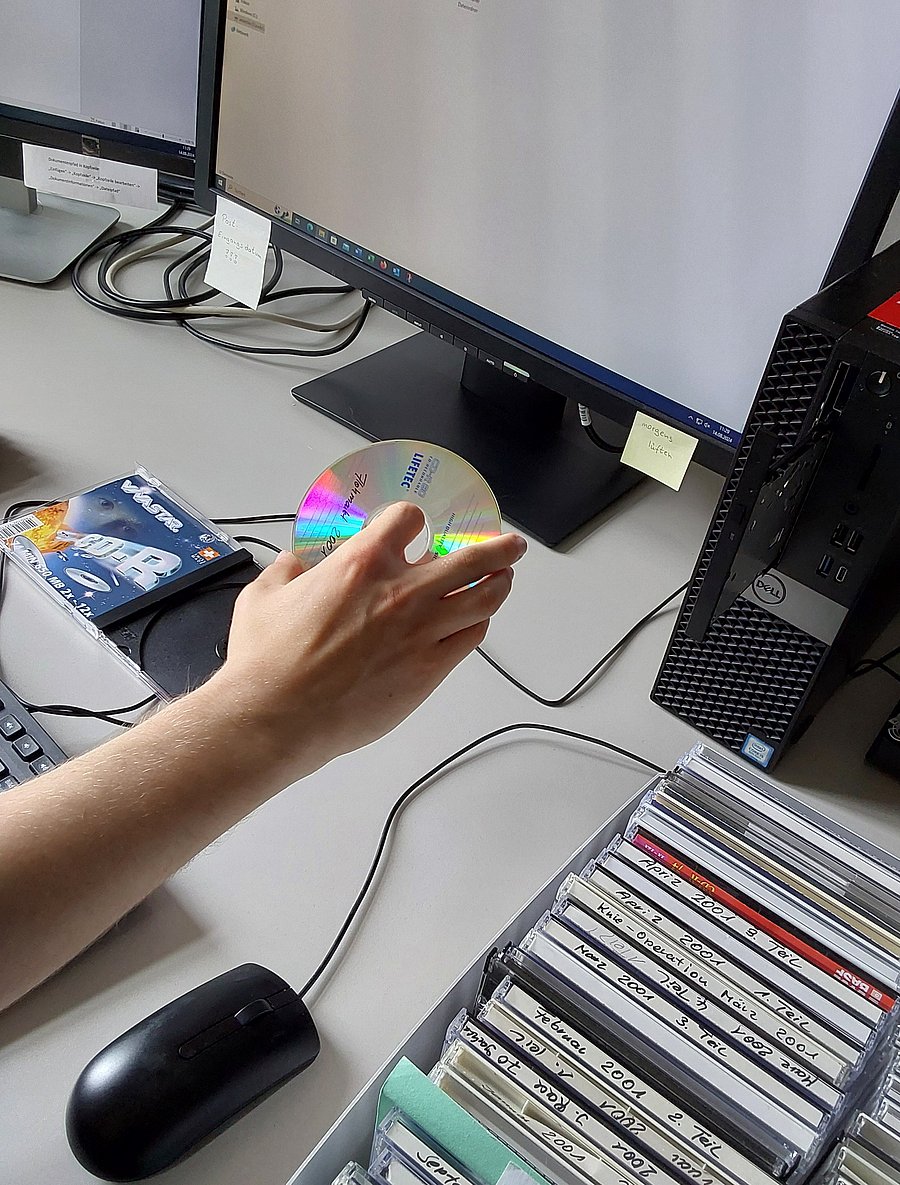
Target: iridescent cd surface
[(457, 502)]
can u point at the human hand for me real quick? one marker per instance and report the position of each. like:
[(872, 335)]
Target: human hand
[(334, 657)]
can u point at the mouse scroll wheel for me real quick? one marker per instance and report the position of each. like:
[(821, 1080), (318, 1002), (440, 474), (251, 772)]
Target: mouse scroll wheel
[(250, 1012)]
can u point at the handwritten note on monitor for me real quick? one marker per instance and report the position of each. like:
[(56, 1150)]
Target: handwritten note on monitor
[(237, 259), (658, 450)]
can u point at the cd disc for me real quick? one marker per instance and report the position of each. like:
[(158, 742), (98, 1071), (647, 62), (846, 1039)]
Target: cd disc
[(456, 501)]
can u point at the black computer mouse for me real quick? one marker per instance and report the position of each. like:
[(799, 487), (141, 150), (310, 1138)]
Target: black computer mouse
[(180, 1076)]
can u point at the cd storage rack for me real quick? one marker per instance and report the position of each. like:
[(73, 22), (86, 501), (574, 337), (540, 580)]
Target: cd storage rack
[(597, 916)]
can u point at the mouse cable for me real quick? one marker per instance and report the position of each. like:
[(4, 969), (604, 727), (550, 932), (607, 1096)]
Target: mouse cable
[(547, 702), (410, 792), (561, 700), (260, 542), (256, 518)]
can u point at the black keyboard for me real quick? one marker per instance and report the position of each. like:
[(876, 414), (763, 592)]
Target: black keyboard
[(26, 749)]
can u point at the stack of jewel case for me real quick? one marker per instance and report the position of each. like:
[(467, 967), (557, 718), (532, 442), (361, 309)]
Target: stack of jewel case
[(711, 1000)]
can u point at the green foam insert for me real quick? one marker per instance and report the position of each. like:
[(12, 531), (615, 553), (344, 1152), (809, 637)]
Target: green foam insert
[(448, 1124)]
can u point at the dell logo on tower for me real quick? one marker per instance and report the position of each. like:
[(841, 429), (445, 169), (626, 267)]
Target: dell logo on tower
[(769, 589)]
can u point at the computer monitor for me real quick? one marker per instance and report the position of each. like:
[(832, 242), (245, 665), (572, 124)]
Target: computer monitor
[(584, 202), (115, 79)]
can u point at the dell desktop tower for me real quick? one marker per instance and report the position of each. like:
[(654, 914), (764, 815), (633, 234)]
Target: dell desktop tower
[(800, 570)]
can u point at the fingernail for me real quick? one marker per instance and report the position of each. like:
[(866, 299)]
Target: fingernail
[(521, 546)]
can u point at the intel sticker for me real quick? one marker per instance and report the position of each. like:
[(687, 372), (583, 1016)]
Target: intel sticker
[(757, 750)]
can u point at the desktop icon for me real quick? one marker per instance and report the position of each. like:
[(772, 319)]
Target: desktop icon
[(310, 228), (345, 247), (321, 232), (370, 258), (358, 252), (383, 264), (397, 272), (333, 239)]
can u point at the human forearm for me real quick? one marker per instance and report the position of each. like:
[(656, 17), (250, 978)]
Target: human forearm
[(319, 663), (81, 845)]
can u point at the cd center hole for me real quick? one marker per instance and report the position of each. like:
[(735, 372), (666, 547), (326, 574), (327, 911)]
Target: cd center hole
[(420, 547)]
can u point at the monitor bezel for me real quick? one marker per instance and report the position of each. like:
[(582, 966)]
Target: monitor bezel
[(863, 228), (20, 125)]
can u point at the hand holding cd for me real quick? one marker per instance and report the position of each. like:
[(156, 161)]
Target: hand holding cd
[(331, 658), (457, 503)]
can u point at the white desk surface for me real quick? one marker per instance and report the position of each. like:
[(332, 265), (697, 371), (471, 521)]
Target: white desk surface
[(84, 396)]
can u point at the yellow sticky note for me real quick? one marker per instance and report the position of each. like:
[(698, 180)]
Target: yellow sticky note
[(658, 450)]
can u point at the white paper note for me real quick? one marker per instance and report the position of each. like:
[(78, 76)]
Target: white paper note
[(237, 259), (88, 178)]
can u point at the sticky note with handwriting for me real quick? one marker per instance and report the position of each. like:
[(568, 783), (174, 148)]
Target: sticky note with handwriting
[(658, 450), (237, 258)]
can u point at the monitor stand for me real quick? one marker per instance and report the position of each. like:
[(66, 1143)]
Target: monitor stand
[(41, 234), (527, 441)]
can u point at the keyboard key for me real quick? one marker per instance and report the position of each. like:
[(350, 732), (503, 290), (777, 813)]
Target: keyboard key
[(27, 748), (11, 728)]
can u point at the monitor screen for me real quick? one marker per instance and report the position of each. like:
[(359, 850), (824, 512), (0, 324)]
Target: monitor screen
[(120, 73), (111, 80), (616, 198)]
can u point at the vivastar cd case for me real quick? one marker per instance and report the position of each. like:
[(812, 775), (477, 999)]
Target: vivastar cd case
[(134, 564)]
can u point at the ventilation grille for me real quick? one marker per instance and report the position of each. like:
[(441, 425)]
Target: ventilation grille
[(750, 674), (751, 667)]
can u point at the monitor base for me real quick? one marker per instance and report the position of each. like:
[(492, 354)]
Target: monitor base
[(37, 247), (547, 475)]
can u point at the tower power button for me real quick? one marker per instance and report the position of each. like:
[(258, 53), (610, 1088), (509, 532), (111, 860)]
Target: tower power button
[(878, 382)]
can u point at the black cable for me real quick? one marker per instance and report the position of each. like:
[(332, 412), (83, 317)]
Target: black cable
[(595, 669), (584, 415), (260, 542), (880, 663), (110, 246), (257, 518), (181, 261), (410, 792), (560, 701), (874, 664), (110, 716), (173, 308)]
